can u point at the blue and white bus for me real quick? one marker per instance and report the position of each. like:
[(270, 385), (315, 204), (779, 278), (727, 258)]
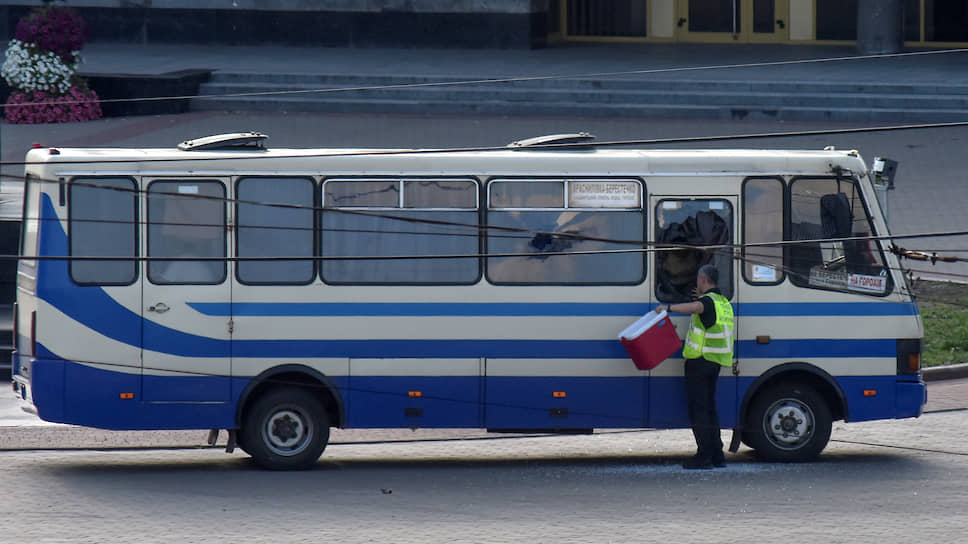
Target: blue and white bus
[(279, 293)]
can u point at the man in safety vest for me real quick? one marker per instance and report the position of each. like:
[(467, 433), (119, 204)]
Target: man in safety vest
[(708, 348)]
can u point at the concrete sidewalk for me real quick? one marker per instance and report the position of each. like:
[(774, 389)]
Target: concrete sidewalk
[(689, 61), (680, 81)]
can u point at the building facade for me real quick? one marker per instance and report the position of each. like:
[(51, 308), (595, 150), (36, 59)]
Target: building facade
[(513, 23), (834, 22)]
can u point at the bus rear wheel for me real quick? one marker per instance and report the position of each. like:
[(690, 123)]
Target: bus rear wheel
[(788, 422), (285, 429)]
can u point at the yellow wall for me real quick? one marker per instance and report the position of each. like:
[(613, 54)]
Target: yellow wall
[(801, 20), (662, 18)]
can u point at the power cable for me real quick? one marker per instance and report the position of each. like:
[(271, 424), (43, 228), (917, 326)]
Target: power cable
[(475, 226), (648, 71), (543, 147)]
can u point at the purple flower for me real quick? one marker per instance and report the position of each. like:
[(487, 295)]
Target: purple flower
[(39, 107), (54, 28)]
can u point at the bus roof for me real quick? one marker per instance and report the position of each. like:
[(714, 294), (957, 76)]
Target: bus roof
[(74, 161)]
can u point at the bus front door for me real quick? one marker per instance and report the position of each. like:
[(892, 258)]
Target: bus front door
[(687, 222), (186, 353)]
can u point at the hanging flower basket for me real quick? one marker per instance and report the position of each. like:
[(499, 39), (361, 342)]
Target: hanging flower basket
[(29, 68), (56, 29), (40, 65), (42, 107)]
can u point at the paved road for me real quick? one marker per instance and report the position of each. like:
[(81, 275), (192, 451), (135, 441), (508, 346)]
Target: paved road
[(887, 482)]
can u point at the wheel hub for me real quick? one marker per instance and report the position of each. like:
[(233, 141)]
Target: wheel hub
[(789, 422), (286, 431)]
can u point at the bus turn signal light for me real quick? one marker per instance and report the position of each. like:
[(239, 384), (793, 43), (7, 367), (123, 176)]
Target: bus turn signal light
[(127, 396), (559, 394), (870, 392), (914, 362), (414, 394)]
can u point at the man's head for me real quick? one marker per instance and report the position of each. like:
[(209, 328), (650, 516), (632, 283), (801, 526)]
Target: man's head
[(707, 278)]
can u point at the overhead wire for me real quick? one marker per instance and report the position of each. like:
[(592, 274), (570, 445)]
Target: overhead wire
[(437, 222), (528, 233), (343, 153), (521, 79), (477, 228)]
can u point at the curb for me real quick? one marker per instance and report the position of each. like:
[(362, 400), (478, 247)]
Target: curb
[(945, 372)]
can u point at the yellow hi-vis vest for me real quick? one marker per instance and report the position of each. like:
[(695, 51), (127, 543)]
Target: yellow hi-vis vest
[(714, 344)]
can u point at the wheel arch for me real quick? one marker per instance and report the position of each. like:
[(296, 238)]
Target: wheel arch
[(799, 372), (300, 376)]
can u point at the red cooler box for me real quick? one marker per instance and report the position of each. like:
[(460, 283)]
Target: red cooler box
[(650, 340)]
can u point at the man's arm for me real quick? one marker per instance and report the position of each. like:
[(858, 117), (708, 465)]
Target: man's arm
[(694, 307)]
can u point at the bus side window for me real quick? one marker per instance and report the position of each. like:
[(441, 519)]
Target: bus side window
[(694, 223), (103, 223), (541, 223), (826, 213), (763, 224), (275, 219), (396, 218), (186, 219)]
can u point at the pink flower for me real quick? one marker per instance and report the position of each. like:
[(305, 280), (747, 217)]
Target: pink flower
[(38, 107)]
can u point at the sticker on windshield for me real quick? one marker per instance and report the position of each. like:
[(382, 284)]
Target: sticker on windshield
[(764, 273), (867, 284)]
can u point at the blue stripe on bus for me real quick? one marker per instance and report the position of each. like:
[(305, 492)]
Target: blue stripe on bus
[(539, 349), (823, 309), (68, 392), (418, 309), (514, 309)]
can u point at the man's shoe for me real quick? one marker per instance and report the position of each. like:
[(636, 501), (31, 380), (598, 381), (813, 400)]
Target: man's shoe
[(697, 462), (719, 461)]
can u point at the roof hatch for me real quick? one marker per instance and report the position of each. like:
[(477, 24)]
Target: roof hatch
[(226, 141), (551, 139)]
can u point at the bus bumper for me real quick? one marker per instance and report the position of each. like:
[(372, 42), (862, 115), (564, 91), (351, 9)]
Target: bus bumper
[(40, 387), (909, 399)]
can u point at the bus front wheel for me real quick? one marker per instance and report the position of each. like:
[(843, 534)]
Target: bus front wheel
[(285, 429), (788, 422)]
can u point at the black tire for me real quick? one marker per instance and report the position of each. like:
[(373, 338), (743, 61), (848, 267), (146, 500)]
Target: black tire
[(285, 429), (788, 422)]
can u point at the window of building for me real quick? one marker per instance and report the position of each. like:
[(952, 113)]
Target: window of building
[(403, 223), (715, 16), (706, 222), (762, 225), (945, 21), (912, 20), (821, 211), (536, 221), (103, 223), (186, 220), (837, 20), (275, 219), (607, 18)]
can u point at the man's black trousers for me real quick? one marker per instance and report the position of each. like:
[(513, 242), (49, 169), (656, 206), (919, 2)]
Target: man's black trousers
[(701, 376)]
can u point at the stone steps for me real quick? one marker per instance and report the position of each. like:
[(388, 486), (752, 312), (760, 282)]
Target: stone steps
[(610, 97)]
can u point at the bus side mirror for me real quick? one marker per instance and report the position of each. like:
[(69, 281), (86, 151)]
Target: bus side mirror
[(883, 171)]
